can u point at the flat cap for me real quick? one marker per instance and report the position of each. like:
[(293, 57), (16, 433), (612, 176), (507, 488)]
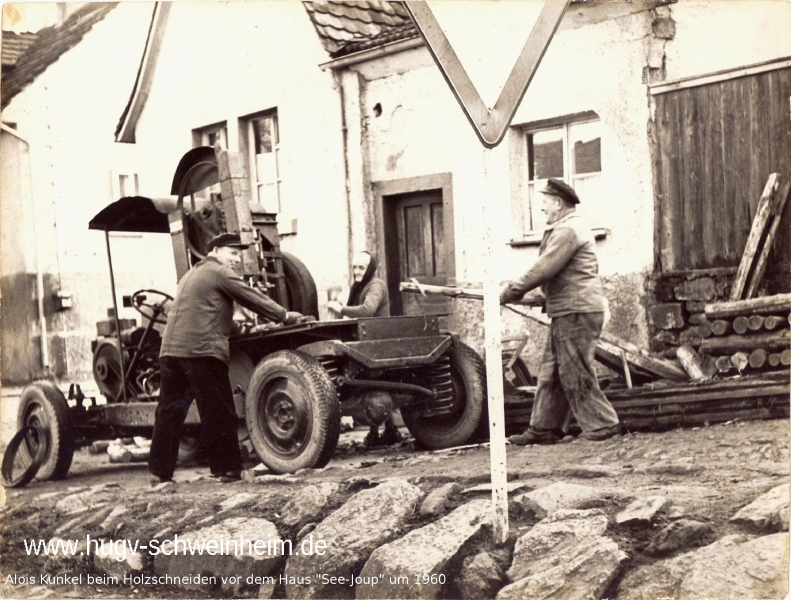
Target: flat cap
[(555, 187), (226, 239)]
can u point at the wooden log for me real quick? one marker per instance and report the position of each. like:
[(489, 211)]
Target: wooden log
[(724, 364), (690, 361), (119, 453), (767, 207), (775, 340), (740, 360), (721, 327), (758, 358), (740, 325), (774, 359), (709, 366), (704, 328), (755, 322), (780, 195), (772, 322), (100, 447), (785, 357), (767, 305)]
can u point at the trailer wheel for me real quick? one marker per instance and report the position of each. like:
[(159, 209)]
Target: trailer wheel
[(302, 295), (292, 412), (44, 406), (468, 380)]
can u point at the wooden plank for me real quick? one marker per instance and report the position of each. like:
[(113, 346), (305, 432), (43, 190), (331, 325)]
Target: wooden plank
[(767, 305), (668, 134), (762, 216), (689, 169), (779, 197), (780, 158), (712, 184), (776, 340)]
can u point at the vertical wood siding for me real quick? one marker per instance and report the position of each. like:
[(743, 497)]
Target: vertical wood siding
[(717, 145)]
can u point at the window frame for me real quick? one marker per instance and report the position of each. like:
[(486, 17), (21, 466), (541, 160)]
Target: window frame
[(519, 157)]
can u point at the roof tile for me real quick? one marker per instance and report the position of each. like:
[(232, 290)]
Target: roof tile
[(14, 44), (50, 44), (346, 26)]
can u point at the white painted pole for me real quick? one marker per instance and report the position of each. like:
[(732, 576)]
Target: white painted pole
[(494, 365)]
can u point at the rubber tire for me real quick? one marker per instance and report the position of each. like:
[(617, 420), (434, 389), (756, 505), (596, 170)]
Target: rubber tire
[(300, 286), (322, 419), (469, 375), (43, 403)]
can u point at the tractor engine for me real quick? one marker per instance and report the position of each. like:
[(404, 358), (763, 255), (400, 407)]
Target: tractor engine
[(140, 361)]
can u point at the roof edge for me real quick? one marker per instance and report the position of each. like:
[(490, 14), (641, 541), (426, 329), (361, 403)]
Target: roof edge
[(372, 53), (125, 131)]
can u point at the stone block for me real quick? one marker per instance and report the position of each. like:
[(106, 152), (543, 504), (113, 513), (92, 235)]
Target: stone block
[(701, 289), (768, 512), (565, 555), (436, 501), (481, 577), (664, 28), (666, 336), (562, 495), (641, 511), (679, 535), (667, 316), (368, 520), (228, 551), (695, 307), (307, 504), (425, 550)]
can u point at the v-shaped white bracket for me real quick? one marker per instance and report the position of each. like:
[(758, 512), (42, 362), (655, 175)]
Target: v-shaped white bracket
[(489, 124)]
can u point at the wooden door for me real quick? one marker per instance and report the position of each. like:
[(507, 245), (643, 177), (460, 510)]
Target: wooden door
[(418, 251)]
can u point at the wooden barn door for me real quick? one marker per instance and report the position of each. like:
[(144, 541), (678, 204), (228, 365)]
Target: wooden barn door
[(716, 146)]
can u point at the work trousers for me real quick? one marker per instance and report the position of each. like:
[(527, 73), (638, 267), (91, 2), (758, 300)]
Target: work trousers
[(566, 379), (205, 380)]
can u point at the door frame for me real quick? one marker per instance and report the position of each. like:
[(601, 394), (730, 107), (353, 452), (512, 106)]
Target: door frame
[(421, 183)]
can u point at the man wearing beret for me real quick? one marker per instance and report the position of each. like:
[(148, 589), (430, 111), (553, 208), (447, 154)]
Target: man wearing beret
[(567, 271), (194, 360)]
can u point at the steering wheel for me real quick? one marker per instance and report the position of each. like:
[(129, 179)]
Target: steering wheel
[(140, 299)]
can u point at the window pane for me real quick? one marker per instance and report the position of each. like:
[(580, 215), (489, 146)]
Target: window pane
[(586, 147), (546, 154), (263, 130)]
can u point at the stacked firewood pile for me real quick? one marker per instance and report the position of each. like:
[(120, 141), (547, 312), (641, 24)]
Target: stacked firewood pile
[(749, 335)]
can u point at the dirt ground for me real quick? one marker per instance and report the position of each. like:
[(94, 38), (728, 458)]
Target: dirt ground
[(730, 465)]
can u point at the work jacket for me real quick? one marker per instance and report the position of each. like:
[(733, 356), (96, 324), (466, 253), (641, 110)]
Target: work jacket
[(567, 270), (200, 318), (374, 302)]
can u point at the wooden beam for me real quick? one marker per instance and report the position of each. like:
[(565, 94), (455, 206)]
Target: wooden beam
[(776, 340), (779, 201), (767, 305), (766, 209)]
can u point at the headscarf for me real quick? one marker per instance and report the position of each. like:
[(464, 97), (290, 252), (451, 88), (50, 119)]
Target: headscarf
[(359, 286)]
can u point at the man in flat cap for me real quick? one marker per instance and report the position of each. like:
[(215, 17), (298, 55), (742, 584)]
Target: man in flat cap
[(194, 360), (567, 271)]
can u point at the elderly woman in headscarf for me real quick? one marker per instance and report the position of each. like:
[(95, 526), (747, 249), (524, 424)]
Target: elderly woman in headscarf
[(368, 298)]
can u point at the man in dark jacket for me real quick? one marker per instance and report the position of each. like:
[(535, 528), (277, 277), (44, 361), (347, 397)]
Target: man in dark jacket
[(194, 360), (567, 270)]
